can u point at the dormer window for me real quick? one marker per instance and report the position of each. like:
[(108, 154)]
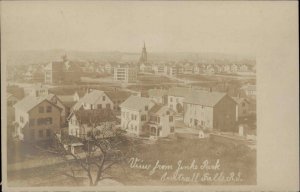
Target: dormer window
[(146, 108), (103, 98)]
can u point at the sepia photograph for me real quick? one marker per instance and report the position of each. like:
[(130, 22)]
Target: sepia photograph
[(132, 93)]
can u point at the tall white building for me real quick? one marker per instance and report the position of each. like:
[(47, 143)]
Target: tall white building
[(125, 73)]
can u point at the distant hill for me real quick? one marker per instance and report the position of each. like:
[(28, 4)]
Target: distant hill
[(39, 57)]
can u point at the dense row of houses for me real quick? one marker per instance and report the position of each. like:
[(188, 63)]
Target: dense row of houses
[(42, 112), (70, 71)]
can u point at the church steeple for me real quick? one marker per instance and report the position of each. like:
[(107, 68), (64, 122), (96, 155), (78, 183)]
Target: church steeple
[(143, 58)]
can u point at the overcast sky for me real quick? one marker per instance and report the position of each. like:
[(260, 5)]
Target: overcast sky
[(225, 27)]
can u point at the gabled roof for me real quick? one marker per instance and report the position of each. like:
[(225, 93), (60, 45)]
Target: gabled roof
[(136, 103), (120, 95), (204, 98), (159, 109), (30, 102), (90, 98)]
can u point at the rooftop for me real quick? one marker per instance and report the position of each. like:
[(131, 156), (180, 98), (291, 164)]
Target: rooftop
[(204, 98), (90, 98), (30, 102), (136, 102)]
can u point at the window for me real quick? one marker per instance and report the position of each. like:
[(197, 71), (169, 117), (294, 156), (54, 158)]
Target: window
[(171, 99), (143, 118), (168, 112), (41, 109), (172, 129), (103, 98), (243, 104), (49, 109), (170, 118), (31, 122), (99, 106), (146, 108), (48, 132), (41, 133), (135, 128)]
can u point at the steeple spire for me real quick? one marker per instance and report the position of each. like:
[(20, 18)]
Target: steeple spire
[(143, 58)]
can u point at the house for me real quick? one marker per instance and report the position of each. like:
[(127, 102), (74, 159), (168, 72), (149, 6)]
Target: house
[(64, 109), (125, 73), (140, 116), (176, 96), (41, 92), (95, 99), (36, 119), (210, 110), (234, 68), (159, 69), (69, 97), (81, 122), (249, 90), (188, 68), (243, 106), (210, 70), (134, 114), (243, 68), (198, 68), (158, 95), (37, 90), (226, 68), (171, 70), (161, 121)]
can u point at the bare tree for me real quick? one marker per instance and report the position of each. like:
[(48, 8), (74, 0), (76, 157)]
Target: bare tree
[(103, 145)]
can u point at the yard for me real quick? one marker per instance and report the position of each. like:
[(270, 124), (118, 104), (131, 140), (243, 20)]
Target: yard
[(168, 152)]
